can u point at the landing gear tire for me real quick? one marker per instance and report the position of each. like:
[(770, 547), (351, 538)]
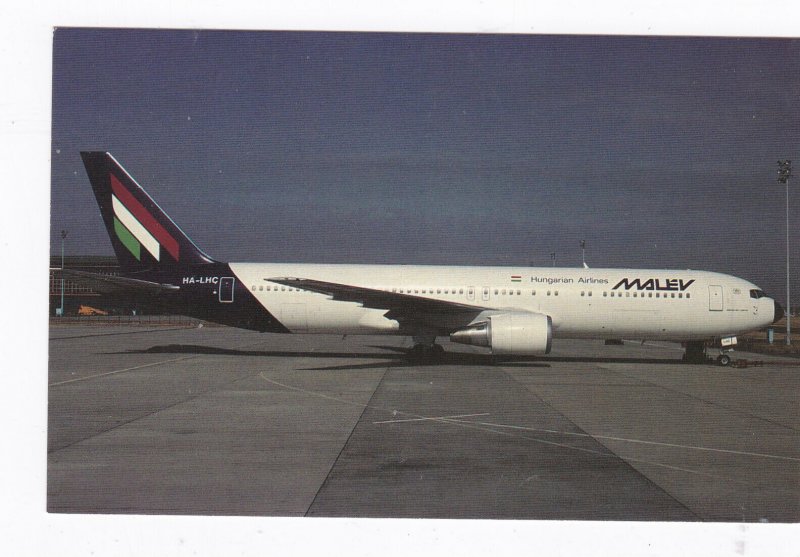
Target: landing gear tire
[(724, 360), (426, 352)]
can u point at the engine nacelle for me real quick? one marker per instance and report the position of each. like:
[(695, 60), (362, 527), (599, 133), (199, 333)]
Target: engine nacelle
[(524, 334)]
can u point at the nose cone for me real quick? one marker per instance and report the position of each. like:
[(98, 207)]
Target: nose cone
[(778, 312)]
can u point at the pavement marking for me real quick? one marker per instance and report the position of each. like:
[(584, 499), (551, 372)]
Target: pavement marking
[(122, 333), (121, 370), (640, 441), (432, 418)]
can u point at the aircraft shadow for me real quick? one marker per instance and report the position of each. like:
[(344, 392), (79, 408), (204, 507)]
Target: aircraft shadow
[(398, 357), (544, 359)]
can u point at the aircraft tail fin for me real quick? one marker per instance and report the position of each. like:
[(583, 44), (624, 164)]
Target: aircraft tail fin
[(144, 237)]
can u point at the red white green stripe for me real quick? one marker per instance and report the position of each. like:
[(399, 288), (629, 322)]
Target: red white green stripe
[(516, 278), (139, 236), (136, 227), (127, 239)]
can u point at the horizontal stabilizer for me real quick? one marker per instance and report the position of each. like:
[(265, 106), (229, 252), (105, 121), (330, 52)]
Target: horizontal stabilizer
[(110, 284)]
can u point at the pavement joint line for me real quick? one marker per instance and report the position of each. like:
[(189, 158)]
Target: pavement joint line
[(627, 440), (609, 454), (701, 399), (87, 377), (134, 368), (394, 412), (121, 333), (667, 466), (432, 418), (193, 397), (344, 445), (627, 462)]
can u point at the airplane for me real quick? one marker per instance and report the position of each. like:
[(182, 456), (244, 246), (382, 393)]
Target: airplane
[(508, 310)]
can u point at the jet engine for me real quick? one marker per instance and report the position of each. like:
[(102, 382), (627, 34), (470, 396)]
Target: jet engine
[(523, 334)]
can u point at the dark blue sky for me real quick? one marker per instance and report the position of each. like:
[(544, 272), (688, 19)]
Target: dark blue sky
[(428, 148)]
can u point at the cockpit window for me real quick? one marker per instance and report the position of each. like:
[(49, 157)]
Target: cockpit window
[(757, 294)]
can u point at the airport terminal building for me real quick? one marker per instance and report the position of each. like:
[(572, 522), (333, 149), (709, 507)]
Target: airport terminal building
[(77, 296)]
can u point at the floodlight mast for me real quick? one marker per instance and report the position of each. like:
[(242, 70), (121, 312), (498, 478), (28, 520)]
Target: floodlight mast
[(784, 173), (63, 237), (583, 253)]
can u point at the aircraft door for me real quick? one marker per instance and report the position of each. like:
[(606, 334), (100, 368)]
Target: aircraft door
[(226, 289), (471, 293), (485, 295), (715, 298)]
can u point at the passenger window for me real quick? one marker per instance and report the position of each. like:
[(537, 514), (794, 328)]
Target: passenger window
[(688, 295)]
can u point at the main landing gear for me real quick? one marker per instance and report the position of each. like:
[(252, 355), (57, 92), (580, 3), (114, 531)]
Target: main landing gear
[(425, 349)]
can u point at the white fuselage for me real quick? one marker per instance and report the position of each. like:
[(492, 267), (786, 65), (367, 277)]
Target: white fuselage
[(583, 303)]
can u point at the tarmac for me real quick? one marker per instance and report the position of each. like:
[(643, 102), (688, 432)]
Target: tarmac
[(220, 421)]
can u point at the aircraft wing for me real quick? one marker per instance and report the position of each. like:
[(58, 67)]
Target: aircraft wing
[(402, 307), (109, 284)]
